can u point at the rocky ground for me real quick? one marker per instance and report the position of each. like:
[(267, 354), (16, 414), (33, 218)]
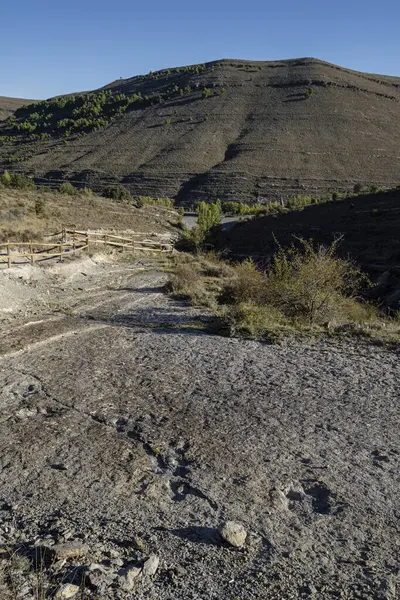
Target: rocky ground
[(129, 435)]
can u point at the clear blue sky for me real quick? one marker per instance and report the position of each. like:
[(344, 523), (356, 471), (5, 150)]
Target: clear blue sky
[(50, 47)]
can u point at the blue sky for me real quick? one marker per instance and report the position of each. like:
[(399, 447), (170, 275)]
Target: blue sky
[(50, 47)]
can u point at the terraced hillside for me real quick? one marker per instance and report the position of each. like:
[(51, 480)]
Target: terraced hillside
[(230, 129)]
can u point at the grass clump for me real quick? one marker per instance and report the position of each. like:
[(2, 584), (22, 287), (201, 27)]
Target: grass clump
[(198, 278)]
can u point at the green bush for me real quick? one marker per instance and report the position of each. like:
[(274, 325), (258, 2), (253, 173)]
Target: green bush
[(68, 188), (307, 282), (117, 192), (143, 200), (86, 191), (252, 320), (21, 182), (5, 179)]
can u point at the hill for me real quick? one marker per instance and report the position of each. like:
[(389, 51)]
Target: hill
[(368, 225), (33, 214), (230, 129), (9, 105)]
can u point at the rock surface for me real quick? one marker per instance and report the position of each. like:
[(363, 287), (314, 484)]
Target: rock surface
[(168, 431)]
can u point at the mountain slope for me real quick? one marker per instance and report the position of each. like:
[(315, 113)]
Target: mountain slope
[(231, 129), (9, 105)]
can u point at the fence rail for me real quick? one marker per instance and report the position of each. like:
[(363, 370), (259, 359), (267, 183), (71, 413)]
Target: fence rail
[(71, 241)]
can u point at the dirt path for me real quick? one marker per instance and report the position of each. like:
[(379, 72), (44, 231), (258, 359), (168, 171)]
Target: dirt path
[(124, 420)]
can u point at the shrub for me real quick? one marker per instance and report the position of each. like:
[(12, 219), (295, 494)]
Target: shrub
[(143, 200), (309, 92), (86, 191), (186, 283), (20, 181), (207, 92), (247, 285), (68, 188), (358, 188), (5, 178), (306, 282), (117, 192), (40, 206), (251, 319)]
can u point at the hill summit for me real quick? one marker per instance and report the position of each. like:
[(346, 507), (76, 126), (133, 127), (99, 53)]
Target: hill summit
[(232, 129)]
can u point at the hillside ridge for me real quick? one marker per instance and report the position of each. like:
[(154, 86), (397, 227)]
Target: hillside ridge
[(229, 128)]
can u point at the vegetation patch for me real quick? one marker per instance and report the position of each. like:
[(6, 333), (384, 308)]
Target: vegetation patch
[(305, 290)]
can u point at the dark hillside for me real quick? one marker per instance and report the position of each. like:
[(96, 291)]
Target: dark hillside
[(230, 129), (369, 226)]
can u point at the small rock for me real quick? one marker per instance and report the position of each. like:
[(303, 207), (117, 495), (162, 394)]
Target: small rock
[(69, 550), (99, 576), (151, 565), (279, 500), (127, 577), (118, 562), (67, 591), (233, 533)]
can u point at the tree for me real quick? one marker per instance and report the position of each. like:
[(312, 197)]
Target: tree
[(209, 215)]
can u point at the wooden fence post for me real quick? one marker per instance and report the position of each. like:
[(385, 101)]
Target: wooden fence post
[(60, 247), (8, 254), (87, 242), (31, 251)]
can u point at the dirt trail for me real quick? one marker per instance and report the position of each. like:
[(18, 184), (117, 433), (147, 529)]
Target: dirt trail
[(123, 419)]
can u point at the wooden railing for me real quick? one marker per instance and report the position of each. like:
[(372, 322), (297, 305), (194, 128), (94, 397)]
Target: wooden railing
[(71, 241)]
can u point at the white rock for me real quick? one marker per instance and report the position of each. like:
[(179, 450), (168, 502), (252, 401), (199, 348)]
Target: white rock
[(67, 591), (151, 565), (233, 533), (127, 577)]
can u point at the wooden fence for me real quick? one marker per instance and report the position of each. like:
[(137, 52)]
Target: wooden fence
[(70, 241)]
